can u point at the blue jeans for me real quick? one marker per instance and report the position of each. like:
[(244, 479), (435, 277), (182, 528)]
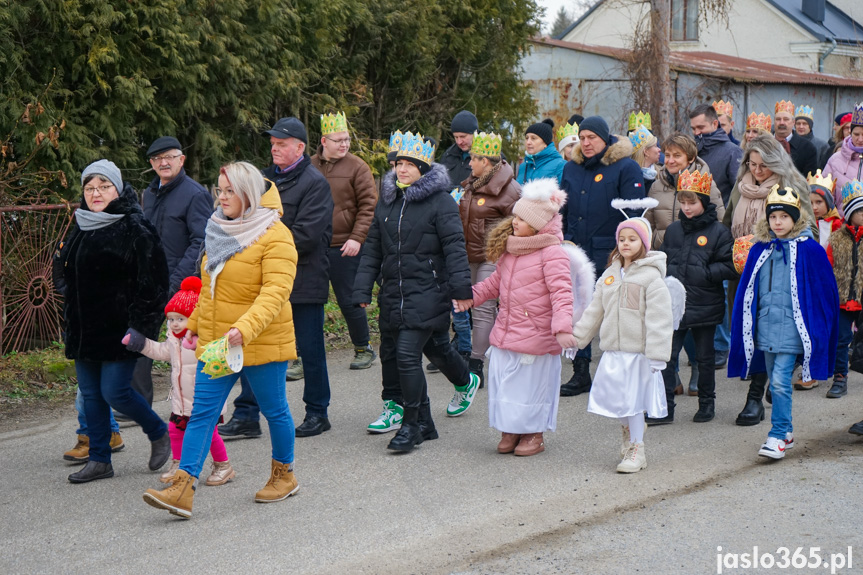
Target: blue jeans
[(268, 383), (780, 370), (107, 384), (245, 405), (846, 320), (461, 327), (82, 419), (722, 338)]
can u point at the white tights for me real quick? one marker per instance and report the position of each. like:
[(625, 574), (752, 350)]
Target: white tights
[(636, 427)]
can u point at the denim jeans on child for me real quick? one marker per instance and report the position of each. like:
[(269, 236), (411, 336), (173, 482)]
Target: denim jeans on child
[(82, 419), (780, 369), (461, 327), (268, 384)]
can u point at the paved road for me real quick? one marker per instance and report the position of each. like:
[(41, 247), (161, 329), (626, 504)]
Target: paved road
[(454, 505)]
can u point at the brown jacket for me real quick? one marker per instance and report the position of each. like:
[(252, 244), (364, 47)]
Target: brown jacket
[(668, 210), (354, 196), (484, 204)]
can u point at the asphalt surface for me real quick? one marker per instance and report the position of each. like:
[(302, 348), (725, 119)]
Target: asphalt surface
[(454, 505)]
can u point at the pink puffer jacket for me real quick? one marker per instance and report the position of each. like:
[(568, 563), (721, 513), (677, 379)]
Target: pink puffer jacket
[(535, 292), (845, 165)]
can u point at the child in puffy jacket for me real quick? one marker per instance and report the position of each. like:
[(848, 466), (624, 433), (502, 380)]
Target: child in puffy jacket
[(533, 282), (181, 354)]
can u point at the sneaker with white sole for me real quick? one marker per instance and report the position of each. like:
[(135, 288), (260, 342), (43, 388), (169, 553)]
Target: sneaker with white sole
[(389, 420), (789, 441), (772, 448), (463, 397)]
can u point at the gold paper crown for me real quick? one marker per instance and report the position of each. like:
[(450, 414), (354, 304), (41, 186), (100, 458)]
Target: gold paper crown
[(639, 119), (784, 106), (486, 145), (760, 121), (850, 192), (723, 107), (395, 142), (639, 137), (805, 112), (332, 123), (416, 147), (567, 130), (827, 182), (784, 196), (694, 182), (857, 116)]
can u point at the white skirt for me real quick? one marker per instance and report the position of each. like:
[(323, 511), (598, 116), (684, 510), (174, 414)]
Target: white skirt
[(522, 398), (624, 385)]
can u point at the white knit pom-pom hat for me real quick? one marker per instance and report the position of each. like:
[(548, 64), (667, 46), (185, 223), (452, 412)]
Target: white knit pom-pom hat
[(541, 200)]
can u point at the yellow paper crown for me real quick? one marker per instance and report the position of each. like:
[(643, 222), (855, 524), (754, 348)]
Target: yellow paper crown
[(639, 119), (694, 182), (805, 112), (567, 130), (416, 147), (333, 123), (395, 142), (760, 121), (639, 137), (784, 196), (723, 107), (784, 106), (827, 182), (486, 145)]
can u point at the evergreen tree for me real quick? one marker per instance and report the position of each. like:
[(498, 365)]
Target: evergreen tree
[(561, 22)]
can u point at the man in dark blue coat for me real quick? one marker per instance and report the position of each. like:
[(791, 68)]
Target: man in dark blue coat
[(721, 155), (601, 170)]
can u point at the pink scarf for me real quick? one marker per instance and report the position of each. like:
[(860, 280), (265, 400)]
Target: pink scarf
[(751, 207), (520, 246)]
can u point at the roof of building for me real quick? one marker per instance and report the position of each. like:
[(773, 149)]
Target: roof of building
[(719, 66)]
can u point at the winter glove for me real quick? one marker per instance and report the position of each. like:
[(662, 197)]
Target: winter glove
[(190, 342), (656, 365), (134, 340)]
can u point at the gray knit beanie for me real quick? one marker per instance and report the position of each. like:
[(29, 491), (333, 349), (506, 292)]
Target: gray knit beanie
[(108, 170)]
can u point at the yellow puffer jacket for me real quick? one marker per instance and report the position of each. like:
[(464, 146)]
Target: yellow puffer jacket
[(252, 294)]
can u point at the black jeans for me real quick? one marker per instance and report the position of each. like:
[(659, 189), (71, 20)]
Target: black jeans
[(142, 379), (401, 354), (704, 355), (343, 272)]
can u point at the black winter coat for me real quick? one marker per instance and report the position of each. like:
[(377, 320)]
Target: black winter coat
[(308, 213), (456, 164), (179, 211), (699, 255), (416, 244), (112, 278), (804, 154)]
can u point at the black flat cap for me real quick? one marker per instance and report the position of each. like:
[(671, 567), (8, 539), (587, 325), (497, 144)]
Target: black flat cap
[(164, 144), (289, 128)]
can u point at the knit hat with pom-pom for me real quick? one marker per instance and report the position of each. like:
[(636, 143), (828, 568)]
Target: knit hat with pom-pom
[(185, 300), (544, 130), (541, 200)]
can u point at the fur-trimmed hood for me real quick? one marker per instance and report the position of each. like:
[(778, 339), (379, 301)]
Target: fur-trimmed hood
[(619, 148), (434, 181), (764, 235)]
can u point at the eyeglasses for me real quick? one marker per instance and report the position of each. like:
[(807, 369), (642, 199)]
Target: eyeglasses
[(159, 159), (757, 167), (340, 142), (219, 191), (89, 191)]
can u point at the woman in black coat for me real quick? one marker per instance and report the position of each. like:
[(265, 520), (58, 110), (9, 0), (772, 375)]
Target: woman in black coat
[(114, 277), (416, 245)]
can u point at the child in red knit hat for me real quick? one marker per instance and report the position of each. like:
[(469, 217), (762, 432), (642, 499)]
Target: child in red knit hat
[(181, 354)]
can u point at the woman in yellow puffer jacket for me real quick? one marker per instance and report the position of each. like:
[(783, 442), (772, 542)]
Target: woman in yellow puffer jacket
[(247, 274)]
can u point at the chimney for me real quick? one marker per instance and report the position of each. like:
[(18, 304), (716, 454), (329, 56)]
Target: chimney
[(814, 9)]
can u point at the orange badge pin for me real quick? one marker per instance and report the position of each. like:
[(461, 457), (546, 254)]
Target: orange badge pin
[(609, 280), (701, 241), (480, 202), (598, 178)]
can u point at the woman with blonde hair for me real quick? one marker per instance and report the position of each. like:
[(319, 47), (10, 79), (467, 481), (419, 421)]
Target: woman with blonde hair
[(247, 274)]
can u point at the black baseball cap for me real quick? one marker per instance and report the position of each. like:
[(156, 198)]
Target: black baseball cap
[(289, 128), (164, 144)]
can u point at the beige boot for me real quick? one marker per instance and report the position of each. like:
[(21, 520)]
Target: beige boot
[(282, 484), (634, 459), (116, 443), (81, 452), (177, 498), (221, 474), (168, 476)]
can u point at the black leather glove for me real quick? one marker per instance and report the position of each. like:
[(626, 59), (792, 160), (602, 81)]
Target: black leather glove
[(136, 340)]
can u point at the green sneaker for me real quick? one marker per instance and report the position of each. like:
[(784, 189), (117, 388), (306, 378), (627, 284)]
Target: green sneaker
[(363, 357), (295, 372), (463, 397), (389, 420)]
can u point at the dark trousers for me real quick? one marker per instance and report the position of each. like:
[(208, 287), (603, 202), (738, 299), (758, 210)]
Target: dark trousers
[(704, 355), (343, 271), (142, 379), (401, 354), (846, 334), (309, 332)]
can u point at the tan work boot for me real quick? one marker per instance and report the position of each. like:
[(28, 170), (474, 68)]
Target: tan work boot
[(81, 451), (116, 442), (282, 484), (508, 441), (221, 474), (530, 444), (634, 459), (177, 498), (804, 385), (168, 476)]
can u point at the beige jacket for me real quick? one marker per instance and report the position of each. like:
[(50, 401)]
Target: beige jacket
[(631, 311)]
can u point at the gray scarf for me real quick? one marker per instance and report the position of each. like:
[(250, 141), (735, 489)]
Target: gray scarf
[(88, 220)]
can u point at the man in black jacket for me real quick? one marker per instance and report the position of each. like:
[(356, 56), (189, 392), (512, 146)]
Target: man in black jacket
[(722, 157), (803, 152), (308, 213), (456, 159)]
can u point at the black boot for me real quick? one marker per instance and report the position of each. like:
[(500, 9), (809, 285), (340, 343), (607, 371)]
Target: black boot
[(426, 423), (705, 411), (753, 411), (475, 366), (409, 436), (160, 452), (239, 427), (92, 471), (580, 381)]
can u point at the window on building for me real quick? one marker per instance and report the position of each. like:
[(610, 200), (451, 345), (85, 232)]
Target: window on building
[(684, 20)]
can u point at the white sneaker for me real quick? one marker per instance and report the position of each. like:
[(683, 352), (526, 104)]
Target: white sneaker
[(634, 460), (463, 397), (390, 419), (772, 448), (789, 441)]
